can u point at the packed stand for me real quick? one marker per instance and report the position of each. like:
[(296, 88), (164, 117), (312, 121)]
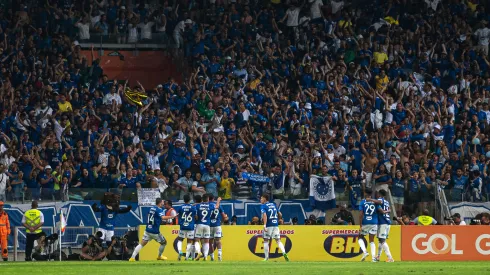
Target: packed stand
[(377, 94)]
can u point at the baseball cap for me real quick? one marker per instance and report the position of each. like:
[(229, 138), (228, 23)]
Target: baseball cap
[(207, 161), (456, 215), (47, 167), (240, 147), (188, 21)]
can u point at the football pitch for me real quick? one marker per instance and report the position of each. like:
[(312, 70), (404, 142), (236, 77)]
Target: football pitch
[(271, 267)]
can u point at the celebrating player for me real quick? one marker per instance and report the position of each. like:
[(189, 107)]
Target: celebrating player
[(368, 219), (187, 214), (270, 217), (215, 225), (107, 220), (203, 230), (152, 232), (384, 223)]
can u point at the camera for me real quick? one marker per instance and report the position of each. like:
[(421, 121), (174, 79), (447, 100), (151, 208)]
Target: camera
[(448, 219), (52, 238), (475, 222)]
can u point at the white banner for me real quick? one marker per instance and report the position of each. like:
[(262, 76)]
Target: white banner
[(469, 210), (147, 196)]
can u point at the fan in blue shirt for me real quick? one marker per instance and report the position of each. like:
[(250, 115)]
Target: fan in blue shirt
[(152, 232)]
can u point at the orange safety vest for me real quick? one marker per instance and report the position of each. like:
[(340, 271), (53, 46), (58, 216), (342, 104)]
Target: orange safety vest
[(175, 220), (4, 224)]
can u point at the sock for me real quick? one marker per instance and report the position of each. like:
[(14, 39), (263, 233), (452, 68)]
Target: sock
[(266, 250), (197, 248), (380, 249), (220, 253), (360, 241), (179, 246), (205, 247), (281, 246), (188, 250), (136, 251), (373, 249), (387, 250), (161, 249)]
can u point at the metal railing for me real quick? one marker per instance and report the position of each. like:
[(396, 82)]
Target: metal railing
[(392, 205), (441, 205)]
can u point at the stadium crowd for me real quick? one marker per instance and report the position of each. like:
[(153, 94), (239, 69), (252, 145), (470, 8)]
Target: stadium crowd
[(386, 94)]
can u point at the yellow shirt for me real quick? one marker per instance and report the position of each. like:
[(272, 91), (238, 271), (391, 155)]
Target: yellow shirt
[(225, 186), (253, 84), (381, 82), (65, 107), (380, 57)]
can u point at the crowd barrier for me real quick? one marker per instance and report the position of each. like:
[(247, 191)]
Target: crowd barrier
[(339, 243)]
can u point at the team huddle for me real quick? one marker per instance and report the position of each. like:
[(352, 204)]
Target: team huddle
[(375, 220), (200, 224)]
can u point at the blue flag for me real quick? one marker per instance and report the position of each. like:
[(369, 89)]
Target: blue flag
[(322, 195)]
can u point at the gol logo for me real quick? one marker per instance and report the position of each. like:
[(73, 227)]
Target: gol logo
[(433, 244), (256, 246), (342, 246)]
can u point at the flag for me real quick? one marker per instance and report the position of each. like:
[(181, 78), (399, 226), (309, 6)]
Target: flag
[(62, 222), (322, 195)]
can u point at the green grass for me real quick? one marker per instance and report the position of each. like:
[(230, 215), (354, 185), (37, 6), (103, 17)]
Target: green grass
[(258, 268)]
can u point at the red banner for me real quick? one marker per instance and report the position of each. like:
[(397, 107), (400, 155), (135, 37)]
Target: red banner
[(150, 68), (445, 243)]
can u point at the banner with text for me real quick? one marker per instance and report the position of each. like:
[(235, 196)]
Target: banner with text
[(302, 243), (148, 196), (445, 243)]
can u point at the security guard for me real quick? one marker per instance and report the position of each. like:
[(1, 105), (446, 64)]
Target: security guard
[(4, 232), (425, 219), (33, 220)]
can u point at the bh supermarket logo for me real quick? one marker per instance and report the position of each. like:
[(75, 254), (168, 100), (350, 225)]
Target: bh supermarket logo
[(342, 243), (256, 243)]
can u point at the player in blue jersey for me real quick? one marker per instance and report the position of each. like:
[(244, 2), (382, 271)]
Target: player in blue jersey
[(215, 225), (368, 219), (270, 217), (384, 223), (107, 220), (203, 221), (187, 214), (152, 232)]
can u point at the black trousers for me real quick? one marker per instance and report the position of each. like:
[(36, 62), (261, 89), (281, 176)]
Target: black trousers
[(30, 238)]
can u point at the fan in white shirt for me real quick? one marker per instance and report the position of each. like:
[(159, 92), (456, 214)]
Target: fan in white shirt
[(146, 29)]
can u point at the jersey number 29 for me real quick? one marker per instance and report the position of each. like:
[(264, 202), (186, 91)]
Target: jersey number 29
[(369, 209)]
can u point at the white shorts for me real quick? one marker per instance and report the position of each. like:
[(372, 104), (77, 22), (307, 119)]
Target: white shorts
[(106, 234), (383, 231), (203, 231), (369, 229), (398, 200), (272, 233), (189, 234), (152, 236), (216, 232)]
